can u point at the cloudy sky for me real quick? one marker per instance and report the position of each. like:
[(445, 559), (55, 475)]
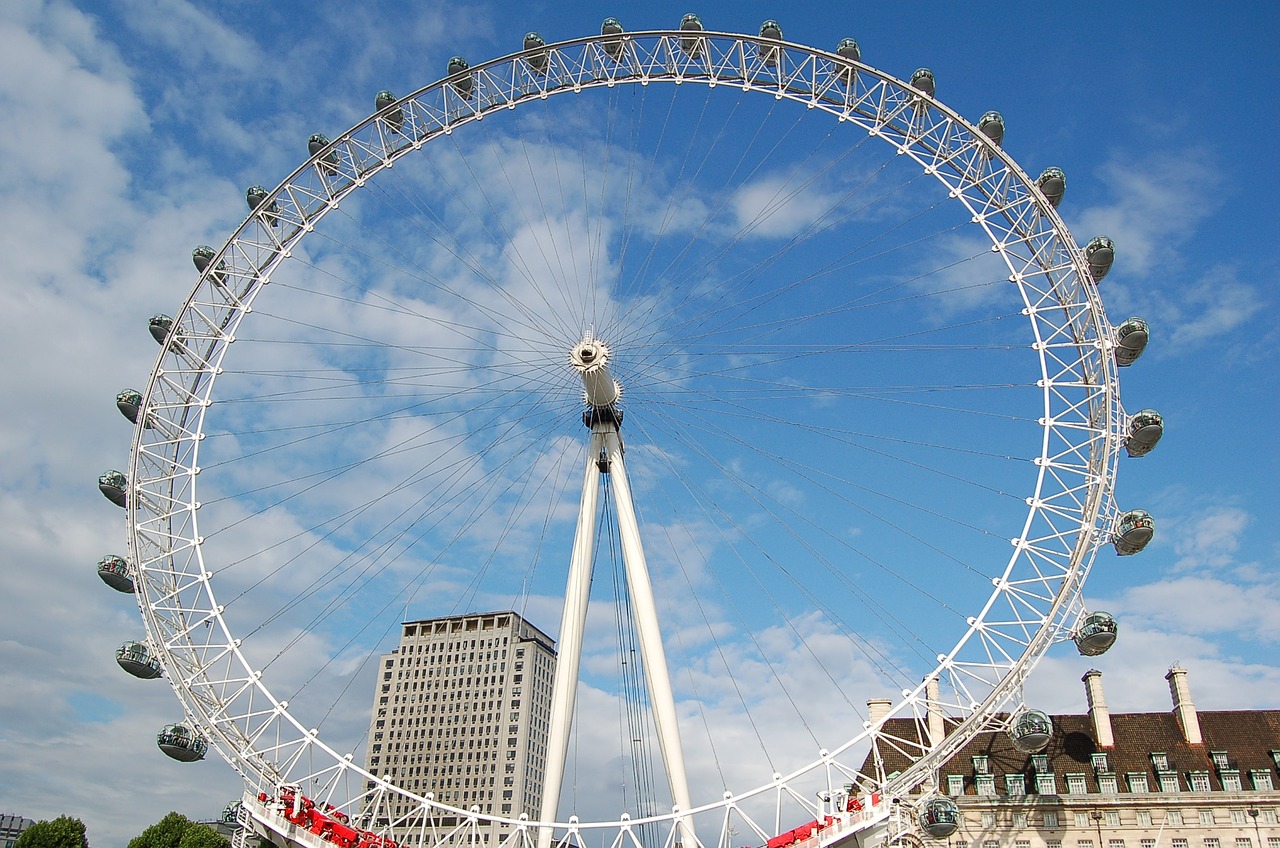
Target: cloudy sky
[(132, 130)]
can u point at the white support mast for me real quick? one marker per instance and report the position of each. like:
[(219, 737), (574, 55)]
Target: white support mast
[(591, 358)]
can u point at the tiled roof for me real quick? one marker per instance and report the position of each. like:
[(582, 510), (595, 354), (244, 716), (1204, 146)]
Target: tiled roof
[(1247, 737)]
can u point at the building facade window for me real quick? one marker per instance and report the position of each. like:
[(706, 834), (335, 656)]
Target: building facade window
[(1159, 761), (1237, 817), (980, 765), (1107, 783), (1137, 781), (1178, 842), (955, 784), (1081, 819), (1230, 780), (1169, 781), (988, 820), (1019, 821), (1099, 761), (1040, 762), (984, 784), (1219, 759), (1113, 818), (1173, 818), (1206, 817), (1211, 842), (1075, 784), (1144, 818), (1046, 783), (1261, 779), (1050, 819), (1015, 784)]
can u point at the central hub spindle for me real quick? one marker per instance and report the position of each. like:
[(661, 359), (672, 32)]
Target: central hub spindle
[(591, 358)]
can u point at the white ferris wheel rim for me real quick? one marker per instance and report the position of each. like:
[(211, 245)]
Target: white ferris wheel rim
[(1072, 503)]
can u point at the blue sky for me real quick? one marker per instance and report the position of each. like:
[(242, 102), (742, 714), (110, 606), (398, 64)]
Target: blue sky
[(133, 130)]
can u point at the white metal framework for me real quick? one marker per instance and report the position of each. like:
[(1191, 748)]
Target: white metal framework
[(1034, 598)]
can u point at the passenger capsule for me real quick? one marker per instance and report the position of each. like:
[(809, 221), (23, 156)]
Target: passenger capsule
[(1096, 634), (848, 49), (202, 256), (116, 573), (1131, 340), (613, 47), (394, 117), (540, 59), (691, 44), (329, 162), (136, 658), (128, 401), (1134, 531), (991, 125), (922, 80), (464, 83), (1052, 183), (771, 31), (113, 485), (1100, 252), (1031, 731), (182, 743), (940, 817), (160, 326), (256, 196), (1145, 429)]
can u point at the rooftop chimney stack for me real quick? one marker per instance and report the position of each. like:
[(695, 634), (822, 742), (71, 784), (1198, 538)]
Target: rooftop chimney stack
[(1182, 706), (878, 708), (1098, 712), (937, 730)]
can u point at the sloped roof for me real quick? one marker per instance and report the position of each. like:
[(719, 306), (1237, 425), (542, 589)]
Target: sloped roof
[(1247, 737)]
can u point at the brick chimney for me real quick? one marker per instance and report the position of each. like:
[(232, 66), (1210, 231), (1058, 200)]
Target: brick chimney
[(1182, 706), (1098, 711)]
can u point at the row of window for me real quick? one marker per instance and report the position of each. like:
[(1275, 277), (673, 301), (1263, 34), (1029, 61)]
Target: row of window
[(1051, 819), (1176, 842), (1046, 783)]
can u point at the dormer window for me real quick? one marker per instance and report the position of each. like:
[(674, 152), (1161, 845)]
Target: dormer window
[(1137, 781), (1230, 780), (1040, 762), (1219, 759), (1099, 762), (1160, 762), (980, 765)]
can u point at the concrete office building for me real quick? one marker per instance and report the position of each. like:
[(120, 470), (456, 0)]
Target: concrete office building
[(461, 709)]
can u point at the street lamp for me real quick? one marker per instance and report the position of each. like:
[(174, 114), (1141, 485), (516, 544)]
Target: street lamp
[(1096, 815), (1253, 814)]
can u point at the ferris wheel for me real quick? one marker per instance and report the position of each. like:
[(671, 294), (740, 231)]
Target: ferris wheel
[(794, 355)]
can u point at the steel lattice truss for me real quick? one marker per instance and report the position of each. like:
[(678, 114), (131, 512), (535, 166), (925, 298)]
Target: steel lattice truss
[(1033, 605)]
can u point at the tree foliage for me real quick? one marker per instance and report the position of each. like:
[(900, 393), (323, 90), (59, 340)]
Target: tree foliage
[(62, 832), (177, 831)]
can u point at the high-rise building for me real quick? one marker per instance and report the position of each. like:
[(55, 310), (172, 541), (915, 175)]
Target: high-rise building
[(1178, 779), (11, 828), (461, 709)]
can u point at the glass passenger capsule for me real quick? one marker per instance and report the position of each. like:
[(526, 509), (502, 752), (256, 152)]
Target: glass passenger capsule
[(394, 117), (128, 401), (1096, 634), (1131, 340), (540, 59), (329, 162), (160, 325), (202, 256), (691, 44), (256, 197), (848, 49), (182, 743), (116, 573), (773, 32), (991, 125), (136, 658), (1134, 531), (462, 82), (923, 81), (1052, 183), (1031, 731), (1100, 252), (613, 47), (940, 817), (1145, 429), (113, 485)]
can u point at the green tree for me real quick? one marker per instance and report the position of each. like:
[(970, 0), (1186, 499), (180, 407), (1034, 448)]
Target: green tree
[(62, 832), (177, 831)]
